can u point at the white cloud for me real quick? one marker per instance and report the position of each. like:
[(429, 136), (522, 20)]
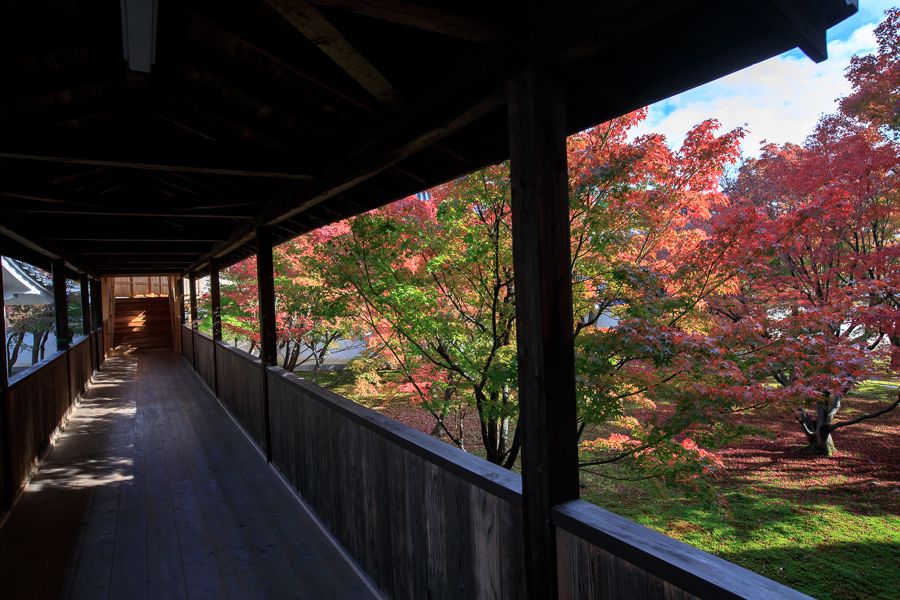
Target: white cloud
[(778, 100)]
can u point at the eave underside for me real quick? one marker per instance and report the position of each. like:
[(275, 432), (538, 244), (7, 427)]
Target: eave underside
[(295, 114)]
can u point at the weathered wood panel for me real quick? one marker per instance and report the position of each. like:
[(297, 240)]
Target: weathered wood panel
[(241, 388), (603, 556), (3, 469), (95, 349), (37, 402), (187, 344), (422, 518), (80, 369), (204, 359)]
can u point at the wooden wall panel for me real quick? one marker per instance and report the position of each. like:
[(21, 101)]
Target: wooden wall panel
[(203, 358), (95, 347), (240, 389), (80, 368), (604, 556), (3, 471), (422, 518), (187, 343), (37, 403)]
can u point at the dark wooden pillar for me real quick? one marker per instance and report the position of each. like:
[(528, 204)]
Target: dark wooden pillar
[(86, 305), (216, 306), (179, 290), (192, 288), (544, 322), (215, 299), (60, 307), (96, 293), (4, 376), (268, 350), (96, 304), (8, 492)]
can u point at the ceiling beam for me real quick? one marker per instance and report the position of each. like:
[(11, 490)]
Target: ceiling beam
[(472, 93), (315, 27), (252, 92), (209, 21), (420, 17), (158, 155), (24, 234), (171, 94), (134, 163), (118, 213)]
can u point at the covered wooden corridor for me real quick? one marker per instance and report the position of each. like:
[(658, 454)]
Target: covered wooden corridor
[(152, 491), (175, 139)]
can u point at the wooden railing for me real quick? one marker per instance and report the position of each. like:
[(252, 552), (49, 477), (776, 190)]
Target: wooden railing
[(38, 402), (241, 389), (425, 519), (204, 359)]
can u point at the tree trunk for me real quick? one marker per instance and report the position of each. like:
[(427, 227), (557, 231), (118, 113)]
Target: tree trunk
[(13, 356), (43, 337), (290, 361), (818, 430), (895, 353), (438, 430)]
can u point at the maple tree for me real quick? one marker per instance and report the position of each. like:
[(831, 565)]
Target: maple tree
[(435, 278), (820, 314), (34, 319), (311, 318), (38, 320), (876, 78), (645, 261)]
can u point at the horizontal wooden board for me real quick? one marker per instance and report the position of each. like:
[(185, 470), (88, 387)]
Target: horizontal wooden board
[(605, 556)]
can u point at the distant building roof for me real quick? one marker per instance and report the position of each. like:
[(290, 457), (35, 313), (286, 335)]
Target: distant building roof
[(21, 288)]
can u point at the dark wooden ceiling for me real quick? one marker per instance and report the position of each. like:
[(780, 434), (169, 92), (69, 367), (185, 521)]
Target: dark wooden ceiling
[(294, 114)]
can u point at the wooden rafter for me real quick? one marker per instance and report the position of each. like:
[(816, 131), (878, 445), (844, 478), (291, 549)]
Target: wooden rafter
[(258, 49), (420, 17), (171, 95), (322, 33), (124, 213), (200, 158), (178, 125), (252, 92)]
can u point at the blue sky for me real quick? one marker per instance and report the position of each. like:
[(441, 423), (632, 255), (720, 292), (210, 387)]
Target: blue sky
[(778, 100)]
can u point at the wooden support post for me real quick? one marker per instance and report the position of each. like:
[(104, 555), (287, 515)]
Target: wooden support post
[(179, 289), (96, 291), (60, 306), (215, 299), (192, 285), (9, 485), (61, 311), (96, 304), (268, 350), (192, 291), (108, 307), (544, 321), (216, 306), (85, 305)]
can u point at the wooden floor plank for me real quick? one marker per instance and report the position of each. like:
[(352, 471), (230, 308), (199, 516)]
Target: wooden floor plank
[(152, 492)]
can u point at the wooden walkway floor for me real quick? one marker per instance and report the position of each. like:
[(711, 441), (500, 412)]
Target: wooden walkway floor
[(153, 492)]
